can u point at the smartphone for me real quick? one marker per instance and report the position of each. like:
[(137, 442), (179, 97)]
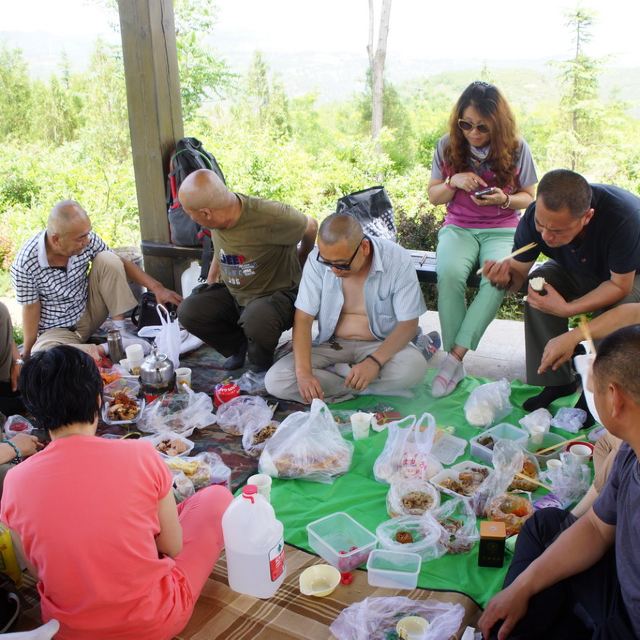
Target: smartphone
[(484, 192)]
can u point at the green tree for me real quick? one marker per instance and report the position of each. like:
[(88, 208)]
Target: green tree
[(15, 94)]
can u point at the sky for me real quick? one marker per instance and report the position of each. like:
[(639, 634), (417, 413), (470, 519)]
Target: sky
[(460, 30)]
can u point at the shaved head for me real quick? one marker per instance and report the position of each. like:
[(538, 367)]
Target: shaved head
[(340, 227), (65, 216), (203, 189)]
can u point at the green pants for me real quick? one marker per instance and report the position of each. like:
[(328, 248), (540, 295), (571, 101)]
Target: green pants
[(460, 251)]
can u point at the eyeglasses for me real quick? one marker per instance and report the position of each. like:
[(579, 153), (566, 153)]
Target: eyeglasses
[(341, 266), (465, 125)]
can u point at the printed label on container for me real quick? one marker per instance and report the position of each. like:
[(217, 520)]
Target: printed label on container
[(276, 560)]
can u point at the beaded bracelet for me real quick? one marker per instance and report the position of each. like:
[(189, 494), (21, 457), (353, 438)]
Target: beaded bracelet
[(18, 456), (507, 202)]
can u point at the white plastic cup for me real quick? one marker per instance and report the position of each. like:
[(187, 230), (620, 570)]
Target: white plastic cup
[(537, 435), (135, 356), (360, 423), (581, 453), (125, 364), (554, 465), (263, 482), (183, 377)]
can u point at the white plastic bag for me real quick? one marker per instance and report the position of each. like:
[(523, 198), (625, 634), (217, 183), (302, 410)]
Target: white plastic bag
[(307, 445), (202, 470), (538, 418), (407, 452), (376, 618), (242, 412), (570, 481), (411, 497), (488, 403), (168, 338), (570, 419), (179, 412), (17, 424), (255, 437), (459, 526), (422, 532)]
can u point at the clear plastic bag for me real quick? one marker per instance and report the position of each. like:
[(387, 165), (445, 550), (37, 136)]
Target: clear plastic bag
[(243, 412), (202, 470), (407, 452), (508, 458), (511, 508), (182, 487), (570, 419), (252, 383), (130, 386), (179, 412), (412, 534), (488, 403), (376, 618), (570, 481), (538, 418), (411, 497), (459, 525), (17, 424), (255, 437), (307, 446)]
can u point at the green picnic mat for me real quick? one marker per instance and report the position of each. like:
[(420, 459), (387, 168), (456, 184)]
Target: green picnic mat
[(297, 502)]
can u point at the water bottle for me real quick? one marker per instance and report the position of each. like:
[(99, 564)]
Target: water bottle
[(254, 545), (116, 349), (190, 279)]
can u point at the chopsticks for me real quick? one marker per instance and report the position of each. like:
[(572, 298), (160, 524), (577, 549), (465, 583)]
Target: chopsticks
[(513, 254), (523, 476), (586, 333), (558, 444)]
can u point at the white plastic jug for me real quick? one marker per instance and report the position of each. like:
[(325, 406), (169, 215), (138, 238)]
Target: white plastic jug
[(254, 545), (189, 279)]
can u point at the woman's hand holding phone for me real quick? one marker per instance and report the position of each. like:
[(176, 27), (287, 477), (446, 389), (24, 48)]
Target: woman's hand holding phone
[(491, 196)]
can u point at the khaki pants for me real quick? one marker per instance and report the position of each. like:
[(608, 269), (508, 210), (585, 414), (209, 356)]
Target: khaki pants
[(405, 370), (109, 296)]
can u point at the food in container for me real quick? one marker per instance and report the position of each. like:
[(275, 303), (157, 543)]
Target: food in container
[(510, 508)]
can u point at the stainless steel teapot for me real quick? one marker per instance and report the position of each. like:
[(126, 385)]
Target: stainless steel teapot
[(157, 374)]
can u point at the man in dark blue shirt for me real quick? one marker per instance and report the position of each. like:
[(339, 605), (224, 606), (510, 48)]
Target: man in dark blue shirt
[(591, 233), (581, 578)]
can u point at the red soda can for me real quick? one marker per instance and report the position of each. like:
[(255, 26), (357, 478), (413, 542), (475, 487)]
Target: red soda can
[(224, 392)]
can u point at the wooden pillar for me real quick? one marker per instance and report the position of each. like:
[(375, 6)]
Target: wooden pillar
[(155, 114)]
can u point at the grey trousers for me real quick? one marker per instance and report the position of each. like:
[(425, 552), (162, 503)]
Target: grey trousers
[(541, 327), (405, 370)]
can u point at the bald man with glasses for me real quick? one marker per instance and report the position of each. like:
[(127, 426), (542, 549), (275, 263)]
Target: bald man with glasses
[(365, 295)]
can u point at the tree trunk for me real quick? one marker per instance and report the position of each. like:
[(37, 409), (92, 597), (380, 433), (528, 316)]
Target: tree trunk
[(376, 65)]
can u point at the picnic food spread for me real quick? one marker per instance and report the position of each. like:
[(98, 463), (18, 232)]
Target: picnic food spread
[(123, 407), (467, 482), (172, 446)]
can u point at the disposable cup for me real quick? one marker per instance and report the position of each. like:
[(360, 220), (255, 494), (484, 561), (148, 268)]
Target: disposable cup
[(360, 423), (554, 465), (183, 377), (581, 452), (263, 482), (135, 354), (412, 628), (537, 434), (125, 364)]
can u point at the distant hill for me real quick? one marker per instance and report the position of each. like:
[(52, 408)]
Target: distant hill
[(335, 76)]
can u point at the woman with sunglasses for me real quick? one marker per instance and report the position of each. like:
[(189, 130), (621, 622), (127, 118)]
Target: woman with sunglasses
[(485, 174)]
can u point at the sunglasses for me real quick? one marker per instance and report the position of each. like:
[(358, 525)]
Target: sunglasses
[(469, 126), (341, 266)]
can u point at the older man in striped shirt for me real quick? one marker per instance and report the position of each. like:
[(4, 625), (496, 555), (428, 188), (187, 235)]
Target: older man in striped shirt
[(365, 294), (68, 283)]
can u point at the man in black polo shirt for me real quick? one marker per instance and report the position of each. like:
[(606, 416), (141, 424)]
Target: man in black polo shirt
[(591, 233)]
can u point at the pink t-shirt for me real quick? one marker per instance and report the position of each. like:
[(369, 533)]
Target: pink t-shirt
[(86, 510)]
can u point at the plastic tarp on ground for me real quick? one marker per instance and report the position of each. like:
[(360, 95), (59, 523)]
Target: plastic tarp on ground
[(298, 503)]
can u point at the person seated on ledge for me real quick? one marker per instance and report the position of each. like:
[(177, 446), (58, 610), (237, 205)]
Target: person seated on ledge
[(481, 153), (259, 248), (96, 519), (10, 365), (591, 233), (68, 282), (580, 578), (365, 295)]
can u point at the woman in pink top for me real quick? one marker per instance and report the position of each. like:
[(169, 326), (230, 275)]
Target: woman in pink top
[(96, 519), (484, 174)]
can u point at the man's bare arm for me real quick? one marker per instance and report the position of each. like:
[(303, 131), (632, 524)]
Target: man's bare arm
[(30, 324), (308, 240)]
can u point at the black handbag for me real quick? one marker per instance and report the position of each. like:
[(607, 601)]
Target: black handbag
[(372, 209)]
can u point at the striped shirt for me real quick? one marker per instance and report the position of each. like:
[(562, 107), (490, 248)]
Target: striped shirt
[(62, 292), (391, 291)]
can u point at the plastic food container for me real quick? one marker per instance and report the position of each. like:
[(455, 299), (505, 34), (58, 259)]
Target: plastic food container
[(453, 473), (341, 541), (410, 534), (130, 386), (393, 569), (171, 435), (548, 440), (448, 448), (501, 431), (105, 413)]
